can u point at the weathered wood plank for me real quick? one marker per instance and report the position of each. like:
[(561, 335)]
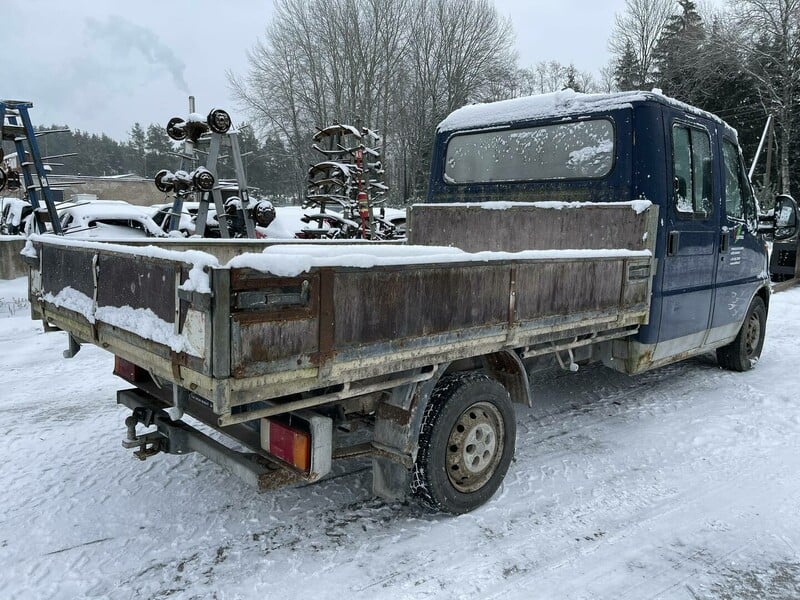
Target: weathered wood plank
[(516, 228)]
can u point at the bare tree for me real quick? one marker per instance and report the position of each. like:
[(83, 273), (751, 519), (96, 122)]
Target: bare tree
[(638, 28), (768, 42), (398, 65), (607, 83), (323, 61)]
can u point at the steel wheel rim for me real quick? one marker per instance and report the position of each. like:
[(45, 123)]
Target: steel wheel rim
[(475, 447), (752, 334)]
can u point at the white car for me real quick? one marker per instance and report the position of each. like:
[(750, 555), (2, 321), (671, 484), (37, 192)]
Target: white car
[(108, 219), (13, 212)]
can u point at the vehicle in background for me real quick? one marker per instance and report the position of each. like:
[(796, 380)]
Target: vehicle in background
[(13, 213), (161, 214), (109, 219)]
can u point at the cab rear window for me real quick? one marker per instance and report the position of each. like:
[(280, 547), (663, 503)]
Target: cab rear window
[(574, 150)]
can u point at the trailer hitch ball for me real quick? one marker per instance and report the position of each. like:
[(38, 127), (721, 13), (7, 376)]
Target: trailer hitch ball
[(130, 424)]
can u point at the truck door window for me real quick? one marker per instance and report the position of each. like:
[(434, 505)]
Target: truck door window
[(691, 171), (740, 202), (734, 196)]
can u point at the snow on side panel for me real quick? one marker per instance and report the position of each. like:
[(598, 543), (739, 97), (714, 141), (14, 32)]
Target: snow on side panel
[(144, 323), (292, 260), (638, 206), (73, 300), (140, 321)]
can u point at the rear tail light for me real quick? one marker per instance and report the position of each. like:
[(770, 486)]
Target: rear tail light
[(290, 444), (302, 440), (128, 371)]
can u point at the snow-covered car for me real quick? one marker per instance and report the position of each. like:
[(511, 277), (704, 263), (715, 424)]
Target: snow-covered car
[(109, 219), (397, 217), (13, 212), (161, 214)]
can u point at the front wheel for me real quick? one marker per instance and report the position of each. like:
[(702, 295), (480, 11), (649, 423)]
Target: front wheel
[(743, 352), (466, 443)]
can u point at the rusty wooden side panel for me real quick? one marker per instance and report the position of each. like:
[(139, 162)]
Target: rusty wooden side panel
[(127, 280), (254, 346), (356, 314), (517, 228), (66, 268), (375, 306), (118, 280), (273, 320), (565, 288)]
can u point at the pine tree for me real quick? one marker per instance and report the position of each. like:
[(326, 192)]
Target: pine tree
[(679, 53), (627, 70), (572, 79), (137, 150)]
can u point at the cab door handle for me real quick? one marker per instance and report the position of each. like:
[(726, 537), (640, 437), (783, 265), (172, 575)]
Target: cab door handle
[(724, 240), (672, 242)]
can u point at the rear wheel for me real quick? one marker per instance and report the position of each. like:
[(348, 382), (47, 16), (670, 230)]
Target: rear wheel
[(743, 352), (466, 443)]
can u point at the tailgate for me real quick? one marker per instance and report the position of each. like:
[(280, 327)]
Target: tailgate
[(149, 306)]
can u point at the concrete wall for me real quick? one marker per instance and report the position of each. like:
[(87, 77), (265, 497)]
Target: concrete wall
[(136, 191), (11, 265)]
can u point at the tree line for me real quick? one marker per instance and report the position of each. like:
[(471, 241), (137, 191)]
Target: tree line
[(741, 63), (148, 150)]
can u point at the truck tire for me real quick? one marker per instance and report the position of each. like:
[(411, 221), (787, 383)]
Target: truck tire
[(466, 443), (743, 352)]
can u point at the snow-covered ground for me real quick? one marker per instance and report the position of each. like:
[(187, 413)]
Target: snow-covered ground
[(680, 483)]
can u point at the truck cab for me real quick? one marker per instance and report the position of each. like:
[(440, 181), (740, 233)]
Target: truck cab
[(569, 147)]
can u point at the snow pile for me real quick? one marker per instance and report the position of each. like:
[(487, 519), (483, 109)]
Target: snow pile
[(29, 250), (288, 221), (73, 300), (292, 259)]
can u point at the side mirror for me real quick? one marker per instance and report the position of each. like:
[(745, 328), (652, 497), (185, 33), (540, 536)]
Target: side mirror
[(785, 217)]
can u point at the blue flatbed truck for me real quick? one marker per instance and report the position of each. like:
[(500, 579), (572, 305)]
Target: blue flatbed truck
[(558, 230)]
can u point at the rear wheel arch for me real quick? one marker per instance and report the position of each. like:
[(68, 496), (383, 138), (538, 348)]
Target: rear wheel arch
[(504, 366)]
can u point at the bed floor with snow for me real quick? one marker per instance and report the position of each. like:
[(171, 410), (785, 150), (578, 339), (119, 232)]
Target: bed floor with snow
[(683, 482)]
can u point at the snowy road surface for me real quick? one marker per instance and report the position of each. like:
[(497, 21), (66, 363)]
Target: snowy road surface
[(680, 483)]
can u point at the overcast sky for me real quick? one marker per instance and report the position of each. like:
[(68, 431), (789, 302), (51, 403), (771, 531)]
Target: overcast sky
[(102, 66)]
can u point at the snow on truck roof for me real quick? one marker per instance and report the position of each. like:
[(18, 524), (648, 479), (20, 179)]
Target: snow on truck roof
[(566, 103)]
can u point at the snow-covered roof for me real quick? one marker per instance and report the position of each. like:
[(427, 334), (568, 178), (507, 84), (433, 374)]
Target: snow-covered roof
[(107, 210), (566, 103)]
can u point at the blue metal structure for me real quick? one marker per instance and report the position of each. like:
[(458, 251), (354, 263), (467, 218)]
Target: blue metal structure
[(16, 126)]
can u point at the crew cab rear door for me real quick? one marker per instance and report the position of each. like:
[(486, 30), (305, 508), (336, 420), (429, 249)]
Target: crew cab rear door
[(692, 225), (741, 258)]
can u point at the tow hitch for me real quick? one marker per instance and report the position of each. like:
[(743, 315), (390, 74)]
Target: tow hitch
[(150, 443), (178, 437)]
